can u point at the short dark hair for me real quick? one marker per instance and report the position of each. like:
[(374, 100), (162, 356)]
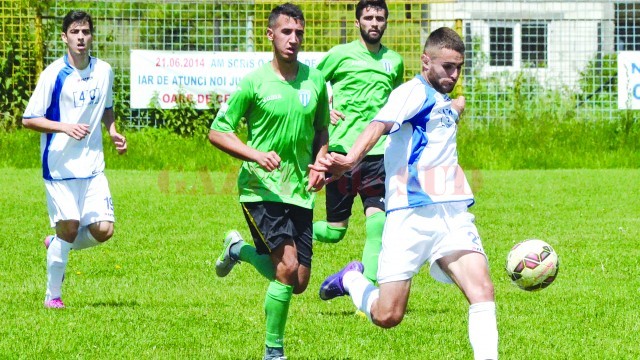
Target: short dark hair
[(287, 9), (376, 4), (76, 16), (445, 38)]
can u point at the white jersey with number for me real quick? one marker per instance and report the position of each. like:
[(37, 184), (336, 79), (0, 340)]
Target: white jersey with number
[(421, 159), (69, 95)]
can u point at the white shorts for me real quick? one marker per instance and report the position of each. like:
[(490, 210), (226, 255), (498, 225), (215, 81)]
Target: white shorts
[(415, 236), (87, 200)]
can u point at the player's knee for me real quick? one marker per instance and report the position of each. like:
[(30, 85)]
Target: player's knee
[(287, 271), (326, 233), (68, 235), (67, 230), (102, 230), (388, 319), (483, 291)]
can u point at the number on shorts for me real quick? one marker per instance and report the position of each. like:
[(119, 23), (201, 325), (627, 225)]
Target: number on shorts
[(109, 202)]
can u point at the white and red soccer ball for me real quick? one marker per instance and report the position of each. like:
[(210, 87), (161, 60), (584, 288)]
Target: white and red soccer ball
[(532, 265)]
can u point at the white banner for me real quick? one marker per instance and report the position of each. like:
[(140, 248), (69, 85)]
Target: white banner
[(174, 76), (629, 80)]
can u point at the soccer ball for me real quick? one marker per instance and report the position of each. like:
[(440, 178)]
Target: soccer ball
[(532, 265)]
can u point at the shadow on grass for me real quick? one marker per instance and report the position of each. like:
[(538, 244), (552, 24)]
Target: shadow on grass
[(114, 303)]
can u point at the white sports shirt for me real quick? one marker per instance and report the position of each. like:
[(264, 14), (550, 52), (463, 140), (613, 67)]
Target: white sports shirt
[(73, 96), (421, 159)]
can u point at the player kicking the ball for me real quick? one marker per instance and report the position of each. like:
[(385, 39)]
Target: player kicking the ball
[(427, 196)]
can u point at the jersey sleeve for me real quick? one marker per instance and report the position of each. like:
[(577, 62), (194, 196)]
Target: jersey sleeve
[(328, 65), (109, 103), (234, 110), (403, 104), (322, 118), (400, 74), (40, 98)]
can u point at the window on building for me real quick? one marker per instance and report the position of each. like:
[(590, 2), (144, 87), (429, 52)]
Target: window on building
[(518, 44), (533, 46), (627, 26), (501, 46)]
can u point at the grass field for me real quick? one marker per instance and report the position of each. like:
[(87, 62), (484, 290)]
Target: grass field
[(151, 292)]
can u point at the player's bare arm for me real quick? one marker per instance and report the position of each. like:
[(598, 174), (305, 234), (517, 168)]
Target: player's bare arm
[(44, 125), (232, 145), (119, 141), (338, 164), (320, 148)]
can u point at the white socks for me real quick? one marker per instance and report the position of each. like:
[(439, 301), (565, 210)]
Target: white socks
[(57, 258), (84, 239), (483, 331), (362, 292)]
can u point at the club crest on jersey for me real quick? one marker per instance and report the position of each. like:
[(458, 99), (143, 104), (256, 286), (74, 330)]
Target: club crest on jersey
[(305, 97), (387, 65)]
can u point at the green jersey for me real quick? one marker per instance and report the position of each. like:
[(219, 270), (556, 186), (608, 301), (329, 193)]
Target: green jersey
[(361, 82), (281, 116)]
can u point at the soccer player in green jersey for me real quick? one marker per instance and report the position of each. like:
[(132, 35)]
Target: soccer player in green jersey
[(362, 74), (286, 106)]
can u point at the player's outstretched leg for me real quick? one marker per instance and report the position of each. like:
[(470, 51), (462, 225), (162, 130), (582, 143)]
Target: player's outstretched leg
[(333, 287), (226, 261), (237, 250)]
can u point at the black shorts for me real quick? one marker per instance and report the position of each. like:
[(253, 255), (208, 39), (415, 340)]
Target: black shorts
[(366, 180), (271, 223)]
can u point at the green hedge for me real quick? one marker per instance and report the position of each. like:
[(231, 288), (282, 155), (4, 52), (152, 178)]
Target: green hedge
[(542, 144)]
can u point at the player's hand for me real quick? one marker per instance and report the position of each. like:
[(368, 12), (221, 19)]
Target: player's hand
[(316, 180), (333, 163), (77, 131), (458, 104), (268, 160), (336, 116), (120, 142)]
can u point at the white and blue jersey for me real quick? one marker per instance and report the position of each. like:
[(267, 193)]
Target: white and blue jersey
[(69, 95), (421, 159)]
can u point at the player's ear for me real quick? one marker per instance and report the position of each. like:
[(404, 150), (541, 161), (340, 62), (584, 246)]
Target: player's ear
[(63, 35), (357, 23), (270, 34), (425, 60)]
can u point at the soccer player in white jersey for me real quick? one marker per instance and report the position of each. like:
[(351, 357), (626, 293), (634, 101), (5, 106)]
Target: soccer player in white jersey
[(73, 96), (427, 196)]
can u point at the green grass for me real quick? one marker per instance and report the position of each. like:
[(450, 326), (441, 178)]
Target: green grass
[(151, 292), (148, 149)]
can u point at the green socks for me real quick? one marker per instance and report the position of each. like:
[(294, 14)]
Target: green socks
[(373, 244), (247, 253), (276, 308), (326, 233), (374, 224)]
